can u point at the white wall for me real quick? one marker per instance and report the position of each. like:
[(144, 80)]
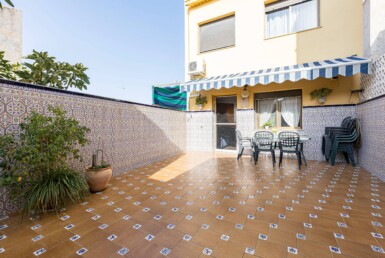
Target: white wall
[(374, 28), (11, 34)]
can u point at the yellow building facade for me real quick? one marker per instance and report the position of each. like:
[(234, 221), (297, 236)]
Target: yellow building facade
[(337, 34)]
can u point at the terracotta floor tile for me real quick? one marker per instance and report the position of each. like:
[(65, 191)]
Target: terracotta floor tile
[(244, 238), (270, 249), (356, 249), (312, 249), (102, 249), (206, 237), (359, 235), (289, 225), (188, 227), (228, 249), (65, 249), (169, 238), (186, 249), (282, 237), (146, 249), (196, 188), (321, 237)]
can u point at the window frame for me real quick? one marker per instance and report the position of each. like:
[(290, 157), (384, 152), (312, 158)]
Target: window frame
[(288, 6), (277, 95), (216, 19)]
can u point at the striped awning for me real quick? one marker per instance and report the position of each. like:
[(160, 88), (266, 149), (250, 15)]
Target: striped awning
[(309, 71)]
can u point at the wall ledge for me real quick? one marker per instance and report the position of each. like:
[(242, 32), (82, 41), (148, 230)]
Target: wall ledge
[(45, 88)]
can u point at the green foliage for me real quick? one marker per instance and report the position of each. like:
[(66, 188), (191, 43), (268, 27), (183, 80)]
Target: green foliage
[(40, 152), (54, 190), (101, 166), (9, 2), (320, 93), (6, 69), (201, 100), (43, 69), (268, 123)]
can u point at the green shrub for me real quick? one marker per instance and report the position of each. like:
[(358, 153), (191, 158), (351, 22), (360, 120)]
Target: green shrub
[(54, 190), (37, 158)]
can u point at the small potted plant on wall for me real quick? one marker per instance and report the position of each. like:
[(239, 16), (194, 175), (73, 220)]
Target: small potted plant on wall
[(200, 101), (267, 125), (320, 94), (99, 174)]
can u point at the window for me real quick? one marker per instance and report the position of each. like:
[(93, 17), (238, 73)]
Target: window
[(281, 109), (217, 34), (291, 16)]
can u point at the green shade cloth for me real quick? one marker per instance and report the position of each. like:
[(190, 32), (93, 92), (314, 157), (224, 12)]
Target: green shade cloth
[(169, 97)]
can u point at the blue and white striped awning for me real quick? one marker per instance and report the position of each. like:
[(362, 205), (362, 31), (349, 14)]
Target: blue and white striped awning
[(309, 71)]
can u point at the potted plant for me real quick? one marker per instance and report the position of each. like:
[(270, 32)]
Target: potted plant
[(200, 101), (267, 125), (35, 165), (98, 175), (320, 94)]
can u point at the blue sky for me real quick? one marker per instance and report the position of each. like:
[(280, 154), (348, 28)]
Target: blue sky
[(127, 45)]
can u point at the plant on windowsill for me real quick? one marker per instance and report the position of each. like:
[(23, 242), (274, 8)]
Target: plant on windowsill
[(320, 94), (200, 101), (98, 175), (34, 164), (267, 125)]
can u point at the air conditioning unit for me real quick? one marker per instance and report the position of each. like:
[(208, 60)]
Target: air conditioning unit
[(197, 67)]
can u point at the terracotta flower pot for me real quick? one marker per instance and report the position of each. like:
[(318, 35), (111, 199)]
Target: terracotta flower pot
[(98, 179)]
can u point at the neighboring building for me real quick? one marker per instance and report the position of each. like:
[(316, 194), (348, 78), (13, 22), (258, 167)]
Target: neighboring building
[(233, 43), (11, 34)]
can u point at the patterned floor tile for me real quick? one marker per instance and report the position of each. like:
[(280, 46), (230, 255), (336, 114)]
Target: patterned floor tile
[(200, 205)]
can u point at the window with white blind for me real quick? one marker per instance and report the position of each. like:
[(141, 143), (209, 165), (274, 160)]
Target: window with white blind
[(291, 16), (217, 34), (281, 109)]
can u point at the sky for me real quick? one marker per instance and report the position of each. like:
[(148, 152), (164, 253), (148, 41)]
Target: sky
[(128, 46)]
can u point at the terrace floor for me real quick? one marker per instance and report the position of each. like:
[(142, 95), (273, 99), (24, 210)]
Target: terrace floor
[(201, 204)]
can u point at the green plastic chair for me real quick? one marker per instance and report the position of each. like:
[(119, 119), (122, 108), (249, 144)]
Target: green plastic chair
[(263, 142), (289, 143), (344, 144)]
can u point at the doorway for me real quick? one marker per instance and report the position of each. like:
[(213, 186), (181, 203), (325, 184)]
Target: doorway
[(225, 113)]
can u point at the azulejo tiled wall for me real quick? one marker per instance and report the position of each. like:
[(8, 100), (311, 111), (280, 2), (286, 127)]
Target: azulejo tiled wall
[(131, 134), (372, 117), (314, 121), (374, 84), (200, 131), (372, 152), (246, 121)]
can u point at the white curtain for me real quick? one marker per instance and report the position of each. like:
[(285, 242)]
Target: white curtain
[(266, 108), (277, 23), (291, 111), (304, 16)]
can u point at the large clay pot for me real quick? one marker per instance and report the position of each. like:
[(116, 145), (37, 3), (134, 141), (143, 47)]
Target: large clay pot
[(98, 179)]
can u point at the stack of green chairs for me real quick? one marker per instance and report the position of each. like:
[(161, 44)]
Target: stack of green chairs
[(345, 142)]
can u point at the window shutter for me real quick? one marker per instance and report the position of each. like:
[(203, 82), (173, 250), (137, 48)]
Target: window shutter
[(217, 34)]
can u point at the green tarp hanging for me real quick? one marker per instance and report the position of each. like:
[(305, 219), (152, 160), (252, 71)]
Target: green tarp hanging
[(169, 97)]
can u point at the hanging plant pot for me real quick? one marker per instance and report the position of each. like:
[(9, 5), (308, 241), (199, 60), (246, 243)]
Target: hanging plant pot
[(322, 100), (320, 94)]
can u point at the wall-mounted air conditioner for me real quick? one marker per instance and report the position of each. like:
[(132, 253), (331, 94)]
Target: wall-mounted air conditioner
[(197, 67)]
